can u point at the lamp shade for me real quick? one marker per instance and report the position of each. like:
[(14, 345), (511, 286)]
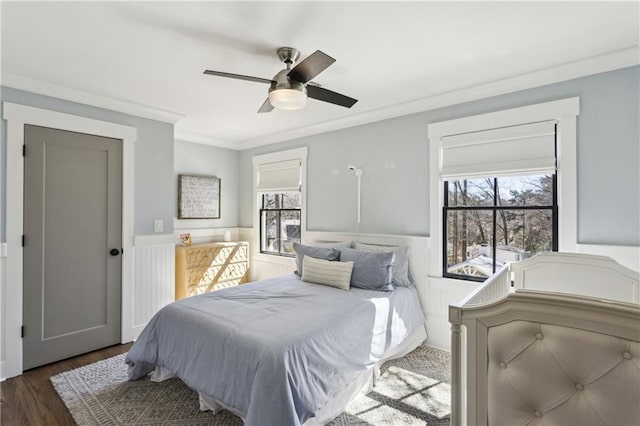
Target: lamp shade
[(290, 99)]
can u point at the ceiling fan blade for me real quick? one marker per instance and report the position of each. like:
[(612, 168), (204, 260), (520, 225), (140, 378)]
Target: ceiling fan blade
[(311, 66), (266, 106), (325, 95), (238, 76)]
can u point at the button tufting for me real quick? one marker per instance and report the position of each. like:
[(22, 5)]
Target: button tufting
[(537, 413), (627, 355), (539, 336), (503, 364), (579, 386)]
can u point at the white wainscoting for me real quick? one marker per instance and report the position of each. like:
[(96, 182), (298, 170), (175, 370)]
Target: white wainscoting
[(265, 266), (440, 294), (628, 256), (154, 266), (154, 282)]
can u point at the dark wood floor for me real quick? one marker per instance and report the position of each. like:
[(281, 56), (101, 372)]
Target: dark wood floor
[(30, 399)]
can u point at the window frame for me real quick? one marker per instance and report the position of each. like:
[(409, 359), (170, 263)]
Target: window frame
[(564, 112), (494, 208), (279, 227)]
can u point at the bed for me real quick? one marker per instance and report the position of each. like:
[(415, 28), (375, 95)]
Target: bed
[(280, 351), (552, 340)]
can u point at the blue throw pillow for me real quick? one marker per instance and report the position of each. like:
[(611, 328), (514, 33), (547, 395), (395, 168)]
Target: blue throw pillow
[(371, 270), (401, 272), (317, 252)]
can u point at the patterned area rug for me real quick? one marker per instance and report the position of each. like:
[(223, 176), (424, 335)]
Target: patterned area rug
[(412, 390)]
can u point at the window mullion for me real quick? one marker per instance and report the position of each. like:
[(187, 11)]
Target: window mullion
[(495, 223), (278, 229)]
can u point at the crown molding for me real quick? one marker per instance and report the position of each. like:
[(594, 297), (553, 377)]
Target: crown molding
[(594, 65), (204, 140), (41, 87)]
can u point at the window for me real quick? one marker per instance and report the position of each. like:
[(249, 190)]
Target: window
[(503, 144), (500, 201), (490, 221), (279, 218), (280, 222)]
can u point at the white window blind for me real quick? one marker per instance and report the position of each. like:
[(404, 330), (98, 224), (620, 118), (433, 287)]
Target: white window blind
[(524, 149), (282, 176)]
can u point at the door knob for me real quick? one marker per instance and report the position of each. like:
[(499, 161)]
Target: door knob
[(114, 252)]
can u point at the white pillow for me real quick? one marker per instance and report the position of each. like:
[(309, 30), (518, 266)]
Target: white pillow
[(326, 272)]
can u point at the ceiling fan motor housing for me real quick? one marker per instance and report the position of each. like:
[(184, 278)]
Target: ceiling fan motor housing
[(282, 81)]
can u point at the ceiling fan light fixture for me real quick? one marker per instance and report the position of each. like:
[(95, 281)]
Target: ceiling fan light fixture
[(289, 99), (288, 88)]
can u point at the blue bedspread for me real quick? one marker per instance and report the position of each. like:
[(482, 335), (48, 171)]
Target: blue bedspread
[(276, 350)]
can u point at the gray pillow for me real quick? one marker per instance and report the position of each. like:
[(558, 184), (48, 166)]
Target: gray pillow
[(401, 273), (332, 244), (318, 252), (371, 270)]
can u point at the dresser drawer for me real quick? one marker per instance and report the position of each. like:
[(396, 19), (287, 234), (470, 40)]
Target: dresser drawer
[(206, 267), (209, 255)]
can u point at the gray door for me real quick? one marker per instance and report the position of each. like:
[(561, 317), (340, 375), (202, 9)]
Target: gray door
[(72, 221)]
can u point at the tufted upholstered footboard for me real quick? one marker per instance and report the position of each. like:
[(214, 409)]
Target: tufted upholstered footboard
[(548, 374), (525, 356)]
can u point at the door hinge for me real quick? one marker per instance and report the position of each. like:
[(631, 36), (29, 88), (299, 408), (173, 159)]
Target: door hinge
[(22, 331), (24, 150), (22, 240)]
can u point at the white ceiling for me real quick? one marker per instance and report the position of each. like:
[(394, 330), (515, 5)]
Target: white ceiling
[(396, 58)]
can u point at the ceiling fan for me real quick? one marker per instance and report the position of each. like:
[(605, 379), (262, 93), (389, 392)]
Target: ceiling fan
[(290, 88)]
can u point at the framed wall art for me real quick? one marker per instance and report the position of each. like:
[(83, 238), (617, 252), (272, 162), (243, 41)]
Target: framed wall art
[(198, 197)]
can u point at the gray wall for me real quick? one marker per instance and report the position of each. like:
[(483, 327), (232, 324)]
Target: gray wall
[(394, 156), (193, 158), (395, 174), (155, 189)]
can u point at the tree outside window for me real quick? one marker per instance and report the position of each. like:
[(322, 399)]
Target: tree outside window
[(491, 221)]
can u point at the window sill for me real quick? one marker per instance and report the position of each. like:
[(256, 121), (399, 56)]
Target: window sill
[(445, 282), (269, 258)]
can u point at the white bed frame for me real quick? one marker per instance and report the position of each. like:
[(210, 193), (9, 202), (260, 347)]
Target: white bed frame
[(582, 292)]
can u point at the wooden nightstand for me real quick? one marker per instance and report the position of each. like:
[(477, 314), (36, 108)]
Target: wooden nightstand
[(205, 267)]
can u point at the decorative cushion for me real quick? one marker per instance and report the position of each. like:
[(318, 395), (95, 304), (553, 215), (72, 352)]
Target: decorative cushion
[(302, 250), (371, 270), (401, 273), (334, 274)]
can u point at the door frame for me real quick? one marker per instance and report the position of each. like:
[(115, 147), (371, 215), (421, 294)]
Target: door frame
[(16, 116)]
